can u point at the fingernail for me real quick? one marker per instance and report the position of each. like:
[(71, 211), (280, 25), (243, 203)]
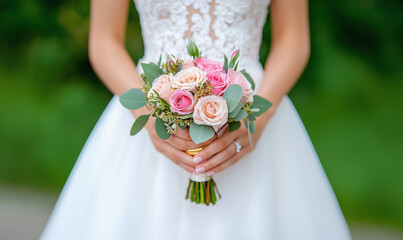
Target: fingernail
[(200, 169), (209, 173), (197, 159)]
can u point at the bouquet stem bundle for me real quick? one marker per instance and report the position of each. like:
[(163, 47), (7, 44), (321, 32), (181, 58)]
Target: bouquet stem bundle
[(202, 188)]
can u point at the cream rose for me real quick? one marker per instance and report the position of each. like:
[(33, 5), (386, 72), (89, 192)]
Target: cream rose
[(162, 85), (211, 111), (189, 78)]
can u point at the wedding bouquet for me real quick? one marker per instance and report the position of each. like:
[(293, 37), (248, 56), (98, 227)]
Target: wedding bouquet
[(198, 93)]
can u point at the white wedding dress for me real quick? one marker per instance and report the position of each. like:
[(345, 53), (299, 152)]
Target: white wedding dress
[(122, 188)]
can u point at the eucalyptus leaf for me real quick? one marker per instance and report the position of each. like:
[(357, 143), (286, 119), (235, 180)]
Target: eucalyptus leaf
[(233, 126), (179, 67), (252, 127), (262, 104), (161, 129), (233, 95), (151, 71), (139, 124), (234, 112), (133, 99), (252, 117), (246, 122), (249, 78), (200, 133), (241, 115)]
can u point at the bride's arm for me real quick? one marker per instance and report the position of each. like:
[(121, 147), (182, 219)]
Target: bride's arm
[(289, 53), (288, 56), (117, 71)]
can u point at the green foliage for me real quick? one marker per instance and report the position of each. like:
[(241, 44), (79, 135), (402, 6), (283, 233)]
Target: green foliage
[(241, 115), (161, 129), (233, 126), (261, 104), (140, 122), (235, 111), (233, 95), (151, 71), (133, 99), (200, 133)]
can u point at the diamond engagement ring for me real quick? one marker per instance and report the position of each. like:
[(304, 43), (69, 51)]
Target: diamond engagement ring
[(238, 146)]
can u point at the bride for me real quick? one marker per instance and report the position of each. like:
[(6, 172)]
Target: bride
[(124, 187)]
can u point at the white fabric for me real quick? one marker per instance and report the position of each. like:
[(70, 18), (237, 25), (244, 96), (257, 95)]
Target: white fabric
[(122, 188)]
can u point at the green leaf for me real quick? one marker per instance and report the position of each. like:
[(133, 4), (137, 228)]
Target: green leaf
[(260, 103), (225, 67), (249, 78), (161, 129), (151, 71), (233, 60), (233, 126), (182, 126), (233, 95), (139, 124), (252, 126), (246, 122), (234, 112), (241, 115), (236, 67), (252, 117), (200, 133), (159, 61), (179, 67), (133, 99)]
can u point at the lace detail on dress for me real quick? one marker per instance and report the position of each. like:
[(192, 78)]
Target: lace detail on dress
[(217, 26)]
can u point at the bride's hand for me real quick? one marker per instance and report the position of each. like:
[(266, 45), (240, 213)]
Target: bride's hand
[(174, 147), (222, 154)]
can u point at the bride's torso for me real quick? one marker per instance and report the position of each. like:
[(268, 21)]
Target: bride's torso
[(217, 26)]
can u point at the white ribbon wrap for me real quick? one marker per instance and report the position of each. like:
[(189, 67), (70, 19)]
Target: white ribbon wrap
[(200, 177)]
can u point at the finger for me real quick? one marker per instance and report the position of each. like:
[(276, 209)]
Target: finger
[(217, 159), (183, 133), (186, 167), (222, 130), (174, 154), (184, 145), (224, 165), (235, 158), (215, 147)]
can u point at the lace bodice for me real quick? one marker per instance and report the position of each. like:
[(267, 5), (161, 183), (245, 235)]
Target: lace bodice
[(217, 26)]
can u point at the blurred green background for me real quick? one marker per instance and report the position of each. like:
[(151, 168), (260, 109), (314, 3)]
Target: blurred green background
[(350, 97)]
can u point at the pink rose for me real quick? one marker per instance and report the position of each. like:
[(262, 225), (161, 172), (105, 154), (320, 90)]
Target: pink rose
[(219, 81), (187, 63), (189, 79), (207, 65), (212, 111), (162, 85), (238, 78), (181, 102)]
